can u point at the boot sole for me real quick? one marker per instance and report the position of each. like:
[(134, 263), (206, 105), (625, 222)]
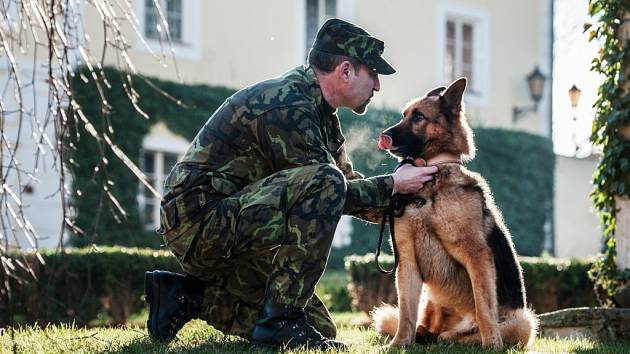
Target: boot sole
[(152, 290)]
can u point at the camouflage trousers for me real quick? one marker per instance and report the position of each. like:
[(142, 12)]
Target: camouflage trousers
[(270, 241)]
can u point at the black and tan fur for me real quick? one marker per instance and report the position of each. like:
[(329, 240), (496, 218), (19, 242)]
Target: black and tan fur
[(455, 249)]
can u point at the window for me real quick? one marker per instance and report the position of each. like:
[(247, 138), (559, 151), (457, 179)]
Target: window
[(161, 149), (156, 165), (464, 48), (183, 20), (153, 25), (459, 51), (317, 12)]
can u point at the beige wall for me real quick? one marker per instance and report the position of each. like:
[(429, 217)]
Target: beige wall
[(245, 41), (576, 224)]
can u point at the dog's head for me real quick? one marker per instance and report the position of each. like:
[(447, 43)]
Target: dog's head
[(432, 124)]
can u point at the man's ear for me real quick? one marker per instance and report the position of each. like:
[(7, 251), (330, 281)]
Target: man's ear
[(344, 70), (451, 99)]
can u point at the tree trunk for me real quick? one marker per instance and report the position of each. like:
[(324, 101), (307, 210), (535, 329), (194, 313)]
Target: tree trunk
[(623, 203)]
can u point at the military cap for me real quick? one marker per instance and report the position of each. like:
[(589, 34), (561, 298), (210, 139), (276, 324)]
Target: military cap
[(344, 38)]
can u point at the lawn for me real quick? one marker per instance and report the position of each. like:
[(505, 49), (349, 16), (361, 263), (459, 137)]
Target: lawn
[(197, 337)]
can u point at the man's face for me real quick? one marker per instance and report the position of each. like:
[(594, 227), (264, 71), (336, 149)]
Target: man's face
[(363, 84)]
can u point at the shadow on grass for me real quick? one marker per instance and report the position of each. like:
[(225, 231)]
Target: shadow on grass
[(146, 345)]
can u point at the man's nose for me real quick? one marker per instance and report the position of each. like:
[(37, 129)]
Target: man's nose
[(377, 83)]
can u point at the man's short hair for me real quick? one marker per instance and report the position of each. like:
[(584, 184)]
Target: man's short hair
[(327, 62)]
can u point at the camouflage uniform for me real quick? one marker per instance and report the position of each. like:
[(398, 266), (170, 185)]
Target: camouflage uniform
[(252, 207)]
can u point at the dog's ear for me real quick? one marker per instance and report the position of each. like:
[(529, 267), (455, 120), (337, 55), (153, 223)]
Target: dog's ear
[(436, 91), (451, 99)]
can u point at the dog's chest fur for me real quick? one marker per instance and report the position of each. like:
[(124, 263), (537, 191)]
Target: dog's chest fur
[(440, 222)]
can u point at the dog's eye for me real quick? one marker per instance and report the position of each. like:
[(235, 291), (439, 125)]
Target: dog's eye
[(417, 116)]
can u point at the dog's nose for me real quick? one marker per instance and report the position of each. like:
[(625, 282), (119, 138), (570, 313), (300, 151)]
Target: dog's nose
[(384, 142)]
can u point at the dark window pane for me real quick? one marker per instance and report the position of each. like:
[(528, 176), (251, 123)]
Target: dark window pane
[(149, 219), (468, 33), (149, 162), (331, 8), (312, 23), (449, 61), (169, 161), (147, 192), (174, 19), (151, 19)]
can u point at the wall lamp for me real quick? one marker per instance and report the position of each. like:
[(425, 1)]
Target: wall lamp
[(536, 82)]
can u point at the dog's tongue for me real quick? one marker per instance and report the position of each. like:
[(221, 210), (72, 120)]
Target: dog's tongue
[(384, 142)]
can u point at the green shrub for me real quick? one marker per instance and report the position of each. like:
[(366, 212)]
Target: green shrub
[(78, 285), (333, 290), (106, 285), (551, 284)]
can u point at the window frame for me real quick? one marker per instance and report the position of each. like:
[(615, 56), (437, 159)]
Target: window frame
[(160, 140), (158, 175), (323, 14), (477, 93), (189, 47)]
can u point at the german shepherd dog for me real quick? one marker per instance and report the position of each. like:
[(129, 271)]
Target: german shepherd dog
[(455, 247)]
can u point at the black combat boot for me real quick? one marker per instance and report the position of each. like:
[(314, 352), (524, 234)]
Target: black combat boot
[(283, 325), (173, 299)]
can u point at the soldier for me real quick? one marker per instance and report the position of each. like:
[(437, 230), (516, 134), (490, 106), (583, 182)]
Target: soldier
[(250, 211)]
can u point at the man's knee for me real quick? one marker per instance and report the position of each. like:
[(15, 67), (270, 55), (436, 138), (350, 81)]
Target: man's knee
[(332, 177)]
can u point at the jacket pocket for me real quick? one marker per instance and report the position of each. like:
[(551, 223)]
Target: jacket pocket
[(262, 215)]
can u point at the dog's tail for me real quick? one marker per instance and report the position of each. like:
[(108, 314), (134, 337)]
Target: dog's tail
[(520, 326), (385, 319)]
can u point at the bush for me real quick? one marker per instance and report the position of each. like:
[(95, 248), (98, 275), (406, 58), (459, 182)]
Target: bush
[(551, 284), (78, 285), (87, 285)]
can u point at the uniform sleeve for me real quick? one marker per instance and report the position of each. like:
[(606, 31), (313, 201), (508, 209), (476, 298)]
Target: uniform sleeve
[(366, 198), (291, 137)]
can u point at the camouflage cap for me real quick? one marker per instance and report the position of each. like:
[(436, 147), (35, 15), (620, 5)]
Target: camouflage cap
[(343, 38)]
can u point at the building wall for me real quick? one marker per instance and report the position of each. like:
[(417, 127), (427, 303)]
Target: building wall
[(577, 228), (245, 41)]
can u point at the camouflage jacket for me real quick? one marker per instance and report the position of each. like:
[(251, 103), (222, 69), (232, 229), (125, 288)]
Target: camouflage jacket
[(278, 124)]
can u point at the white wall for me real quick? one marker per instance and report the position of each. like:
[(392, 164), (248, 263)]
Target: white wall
[(577, 228)]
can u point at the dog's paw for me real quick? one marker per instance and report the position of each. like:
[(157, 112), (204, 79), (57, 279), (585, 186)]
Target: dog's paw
[(494, 341), (447, 336), (399, 342)]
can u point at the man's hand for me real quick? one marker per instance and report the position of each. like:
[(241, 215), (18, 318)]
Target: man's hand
[(409, 179)]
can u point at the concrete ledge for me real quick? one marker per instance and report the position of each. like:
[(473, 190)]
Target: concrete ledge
[(594, 323)]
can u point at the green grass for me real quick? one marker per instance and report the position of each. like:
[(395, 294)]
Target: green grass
[(197, 337)]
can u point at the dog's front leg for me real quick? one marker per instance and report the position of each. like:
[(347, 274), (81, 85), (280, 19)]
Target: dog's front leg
[(408, 285), (478, 260)]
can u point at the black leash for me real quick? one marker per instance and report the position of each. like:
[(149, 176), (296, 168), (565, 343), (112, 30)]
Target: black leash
[(395, 209)]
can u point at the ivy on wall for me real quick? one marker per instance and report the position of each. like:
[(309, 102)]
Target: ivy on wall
[(613, 111), (505, 158), (127, 128)]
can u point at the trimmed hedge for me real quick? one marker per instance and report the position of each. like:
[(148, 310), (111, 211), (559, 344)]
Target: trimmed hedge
[(551, 283), (78, 285), (83, 285)]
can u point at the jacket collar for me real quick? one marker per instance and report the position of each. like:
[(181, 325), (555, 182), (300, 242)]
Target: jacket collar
[(316, 92)]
